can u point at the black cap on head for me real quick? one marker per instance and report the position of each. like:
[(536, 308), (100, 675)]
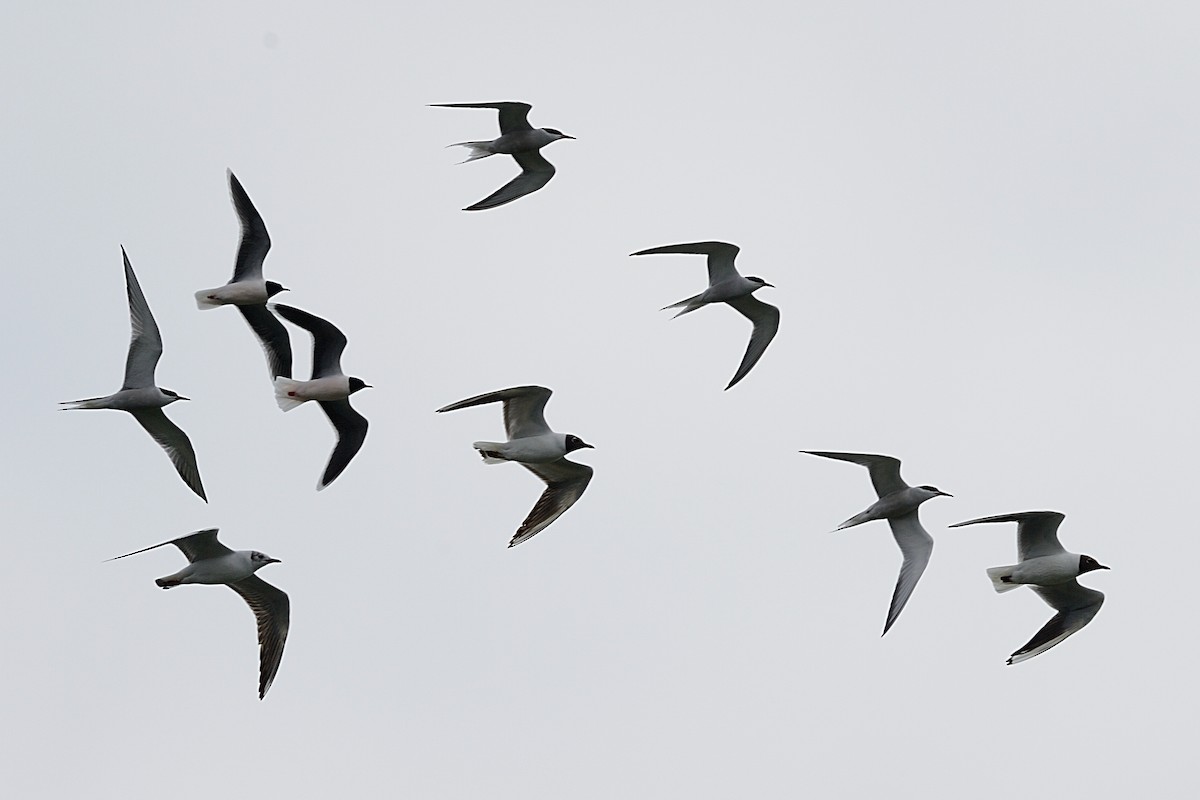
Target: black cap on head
[(358, 383), (1088, 564), (575, 443), (274, 288)]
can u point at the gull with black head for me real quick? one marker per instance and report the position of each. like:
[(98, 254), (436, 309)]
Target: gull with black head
[(213, 563), (534, 446), (1050, 571), (329, 386), (247, 290), (898, 503), (518, 139), (727, 285), (139, 395)]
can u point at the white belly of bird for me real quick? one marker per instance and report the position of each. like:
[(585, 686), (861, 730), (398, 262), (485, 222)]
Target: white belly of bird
[(223, 569), (333, 387), (536, 449), (242, 293)]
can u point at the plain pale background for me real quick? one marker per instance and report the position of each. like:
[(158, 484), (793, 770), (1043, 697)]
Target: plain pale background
[(981, 222)]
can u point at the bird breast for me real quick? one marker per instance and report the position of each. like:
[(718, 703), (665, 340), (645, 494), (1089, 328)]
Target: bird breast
[(136, 399)]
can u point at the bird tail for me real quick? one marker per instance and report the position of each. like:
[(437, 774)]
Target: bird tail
[(490, 452), (285, 393), (998, 574), (689, 305), (204, 302), (75, 405), (478, 150)]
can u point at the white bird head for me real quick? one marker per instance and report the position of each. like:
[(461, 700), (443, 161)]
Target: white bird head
[(933, 491), (759, 281), (557, 134), (172, 396)]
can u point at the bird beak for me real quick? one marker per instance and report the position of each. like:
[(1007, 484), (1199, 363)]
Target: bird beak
[(1104, 567), (945, 494), (181, 397), (589, 446), (274, 561), (568, 137), (769, 284)]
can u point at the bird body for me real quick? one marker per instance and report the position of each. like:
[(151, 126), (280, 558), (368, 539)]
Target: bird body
[(540, 450), (896, 504), (329, 387), (239, 293), (226, 568), (290, 393), (527, 450), (139, 395), (1050, 571)]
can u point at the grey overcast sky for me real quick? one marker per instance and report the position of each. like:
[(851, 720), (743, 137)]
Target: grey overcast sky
[(980, 218)]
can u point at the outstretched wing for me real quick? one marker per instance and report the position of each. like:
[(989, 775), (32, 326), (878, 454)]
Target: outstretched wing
[(171, 438), (1037, 531), (766, 324), (255, 241), (273, 338), (195, 546), (536, 172), (328, 340), (720, 257), (917, 545), (272, 610), (884, 470), (565, 482), (513, 116), (351, 428), (145, 342), (524, 408), (1076, 606)]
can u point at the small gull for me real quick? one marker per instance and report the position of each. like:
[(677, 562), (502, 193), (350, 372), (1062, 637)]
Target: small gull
[(328, 386), (211, 562), (534, 446), (247, 290), (1047, 568)]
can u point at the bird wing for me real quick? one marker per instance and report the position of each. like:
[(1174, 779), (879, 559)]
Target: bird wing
[(351, 428), (720, 257), (766, 324), (536, 172), (1037, 531), (513, 116), (565, 482), (255, 242), (884, 470), (272, 336), (328, 341), (524, 408), (916, 544), (272, 610), (145, 342), (195, 546), (1076, 605), (172, 439)]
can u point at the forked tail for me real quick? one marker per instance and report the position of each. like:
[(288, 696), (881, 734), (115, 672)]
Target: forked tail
[(75, 405), (689, 305), (478, 150)]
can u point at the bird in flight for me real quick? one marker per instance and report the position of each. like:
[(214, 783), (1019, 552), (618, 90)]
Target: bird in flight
[(518, 139), (139, 395)]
